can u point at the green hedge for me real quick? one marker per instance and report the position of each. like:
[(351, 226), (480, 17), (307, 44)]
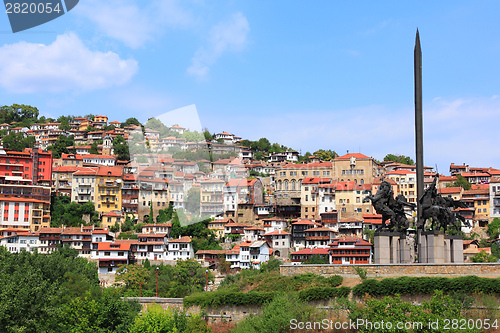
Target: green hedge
[(312, 294), (427, 285), (218, 298)]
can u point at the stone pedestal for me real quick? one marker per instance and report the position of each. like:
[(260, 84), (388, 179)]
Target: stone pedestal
[(455, 248), (437, 248), (392, 248), (406, 249)]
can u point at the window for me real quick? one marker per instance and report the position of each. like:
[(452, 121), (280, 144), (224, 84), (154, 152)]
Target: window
[(120, 254), (107, 254)]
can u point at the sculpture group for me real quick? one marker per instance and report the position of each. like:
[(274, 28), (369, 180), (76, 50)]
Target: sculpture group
[(435, 207)]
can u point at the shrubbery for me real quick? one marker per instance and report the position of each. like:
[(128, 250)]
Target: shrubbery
[(219, 298), (427, 285)]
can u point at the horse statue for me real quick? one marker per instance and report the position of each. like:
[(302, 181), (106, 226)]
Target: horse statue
[(438, 208), (390, 209)]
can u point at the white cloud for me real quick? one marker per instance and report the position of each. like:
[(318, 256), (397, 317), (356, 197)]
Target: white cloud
[(226, 36), (65, 65), (131, 23)]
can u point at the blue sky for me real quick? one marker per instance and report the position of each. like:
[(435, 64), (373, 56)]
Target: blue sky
[(309, 75)]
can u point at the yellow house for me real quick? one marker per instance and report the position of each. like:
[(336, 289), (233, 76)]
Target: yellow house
[(217, 226), (110, 218), (102, 120), (349, 199), (480, 200), (109, 183)]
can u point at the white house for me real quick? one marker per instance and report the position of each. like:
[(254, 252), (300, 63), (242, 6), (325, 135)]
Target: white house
[(180, 249), (19, 241), (253, 233), (152, 246), (280, 241), (259, 253), (105, 160), (111, 255), (274, 224)]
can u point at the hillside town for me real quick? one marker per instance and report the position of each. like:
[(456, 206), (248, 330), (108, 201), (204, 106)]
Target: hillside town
[(280, 205)]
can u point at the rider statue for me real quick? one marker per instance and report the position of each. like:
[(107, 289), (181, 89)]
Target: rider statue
[(390, 209)]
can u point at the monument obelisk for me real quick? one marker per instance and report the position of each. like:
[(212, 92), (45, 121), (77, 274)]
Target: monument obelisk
[(419, 147)]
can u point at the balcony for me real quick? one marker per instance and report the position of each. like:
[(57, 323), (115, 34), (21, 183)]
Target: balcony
[(254, 251), (318, 238)]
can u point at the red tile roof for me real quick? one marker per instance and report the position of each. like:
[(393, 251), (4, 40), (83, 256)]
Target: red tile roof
[(113, 171), (106, 246), (183, 239), (277, 232), (449, 190), (400, 172), (314, 165), (348, 156), (357, 241), (312, 251)]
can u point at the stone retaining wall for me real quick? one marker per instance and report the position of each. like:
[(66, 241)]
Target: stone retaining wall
[(491, 270)]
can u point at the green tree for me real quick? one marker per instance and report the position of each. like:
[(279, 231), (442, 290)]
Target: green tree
[(325, 155), (130, 121), (18, 142), (207, 135), (64, 122), (132, 275), (120, 147), (93, 148), (494, 228), (399, 159), (18, 113), (484, 257), (460, 182), (61, 146)]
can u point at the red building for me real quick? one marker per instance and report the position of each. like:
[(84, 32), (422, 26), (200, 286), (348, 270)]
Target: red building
[(350, 250), (32, 163)]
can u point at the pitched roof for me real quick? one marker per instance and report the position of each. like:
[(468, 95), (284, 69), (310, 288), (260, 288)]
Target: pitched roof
[(183, 239), (277, 232), (110, 171), (107, 246), (348, 156), (312, 251)]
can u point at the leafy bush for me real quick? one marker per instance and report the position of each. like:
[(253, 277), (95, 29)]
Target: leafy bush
[(316, 293), (155, 319), (278, 314), (393, 311), (427, 285), (218, 298)]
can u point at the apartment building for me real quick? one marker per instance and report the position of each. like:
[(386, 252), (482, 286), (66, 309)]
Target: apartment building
[(84, 185), (108, 189), (357, 168), (212, 197)]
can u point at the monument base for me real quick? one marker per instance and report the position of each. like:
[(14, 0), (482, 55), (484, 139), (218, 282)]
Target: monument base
[(437, 248), (392, 247)]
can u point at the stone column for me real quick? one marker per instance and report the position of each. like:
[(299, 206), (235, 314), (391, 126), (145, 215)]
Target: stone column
[(422, 247), (456, 248), (381, 248), (435, 247)]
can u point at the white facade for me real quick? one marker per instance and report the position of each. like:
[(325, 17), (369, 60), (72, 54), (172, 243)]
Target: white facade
[(99, 160), (20, 242), (494, 197), (180, 249), (111, 256)]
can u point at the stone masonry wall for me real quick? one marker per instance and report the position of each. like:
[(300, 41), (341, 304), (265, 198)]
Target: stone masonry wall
[(491, 270)]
